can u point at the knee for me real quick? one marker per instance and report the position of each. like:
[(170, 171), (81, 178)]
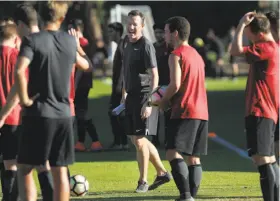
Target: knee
[(10, 165), (193, 160), (262, 160), (43, 168), (139, 142), (172, 154)]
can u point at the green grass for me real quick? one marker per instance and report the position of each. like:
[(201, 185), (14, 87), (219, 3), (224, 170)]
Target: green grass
[(113, 175)]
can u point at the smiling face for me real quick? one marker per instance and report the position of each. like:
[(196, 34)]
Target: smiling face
[(134, 28)]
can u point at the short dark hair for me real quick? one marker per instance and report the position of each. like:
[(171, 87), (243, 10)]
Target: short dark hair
[(27, 14), (158, 26), (273, 17), (260, 23), (78, 24), (137, 13), (118, 27), (181, 25)]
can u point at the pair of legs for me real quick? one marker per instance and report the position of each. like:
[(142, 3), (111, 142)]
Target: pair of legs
[(120, 139), (186, 140), (260, 144), (136, 129), (44, 141), (84, 124)]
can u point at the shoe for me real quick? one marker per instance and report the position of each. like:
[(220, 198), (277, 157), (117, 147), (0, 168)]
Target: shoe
[(115, 147), (96, 146), (80, 147), (125, 147), (160, 180), (142, 187), (185, 199)]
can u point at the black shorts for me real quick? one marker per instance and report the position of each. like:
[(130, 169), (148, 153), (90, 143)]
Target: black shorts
[(134, 124), (276, 134), (45, 139), (81, 102), (187, 136), (260, 136), (9, 141)]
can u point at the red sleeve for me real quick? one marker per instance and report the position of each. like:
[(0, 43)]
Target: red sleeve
[(176, 52), (256, 52)]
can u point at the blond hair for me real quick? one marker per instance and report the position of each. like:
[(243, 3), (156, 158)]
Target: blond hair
[(54, 10)]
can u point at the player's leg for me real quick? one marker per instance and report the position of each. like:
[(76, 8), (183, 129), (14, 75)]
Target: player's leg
[(91, 129), (10, 148), (80, 119), (155, 138), (181, 138), (32, 151), (260, 133), (62, 155), (193, 161), (115, 126), (46, 181)]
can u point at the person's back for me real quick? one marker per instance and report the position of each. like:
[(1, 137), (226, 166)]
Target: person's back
[(191, 99), (8, 58), (50, 72)]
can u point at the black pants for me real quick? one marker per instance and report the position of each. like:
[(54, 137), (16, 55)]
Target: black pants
[(84, 124), (117, 121)]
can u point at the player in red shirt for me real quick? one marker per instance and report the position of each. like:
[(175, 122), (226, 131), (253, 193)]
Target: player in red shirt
[(9, 131), (273, 17), (186, 95), (262, 97)]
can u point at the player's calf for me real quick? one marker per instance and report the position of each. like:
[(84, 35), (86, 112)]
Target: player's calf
[(61, 184), (46, 181), (10, 191), (27, 187), (195, 173)]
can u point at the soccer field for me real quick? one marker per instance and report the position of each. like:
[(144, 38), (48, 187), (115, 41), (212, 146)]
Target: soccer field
[(227, 176)]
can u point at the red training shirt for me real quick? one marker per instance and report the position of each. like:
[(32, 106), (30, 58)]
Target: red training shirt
[(262, 90), (190, 102), (8, 59)]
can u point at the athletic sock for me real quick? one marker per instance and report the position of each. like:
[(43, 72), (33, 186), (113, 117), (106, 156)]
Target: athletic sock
[(81, 128), (2, 167), (8, 184), (46, 184), (195, 176), (276, 186), (267, 181), (180, 175), (91, 130)]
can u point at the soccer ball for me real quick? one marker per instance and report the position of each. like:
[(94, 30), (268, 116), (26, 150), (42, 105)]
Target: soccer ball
[(157, 94), (78, 185)]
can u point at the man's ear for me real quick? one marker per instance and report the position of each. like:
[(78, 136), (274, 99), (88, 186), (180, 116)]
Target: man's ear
[(261, 35)]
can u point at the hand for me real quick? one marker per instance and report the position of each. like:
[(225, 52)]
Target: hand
[(247, 18), (30, 101), (146, 111), (74, 33)]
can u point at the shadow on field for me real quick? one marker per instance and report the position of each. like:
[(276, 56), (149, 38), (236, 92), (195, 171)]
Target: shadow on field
[(226, 113), (138, 198)]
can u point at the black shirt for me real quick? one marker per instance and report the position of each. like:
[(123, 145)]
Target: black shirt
[(117, 78), (52, 55), (162, 54), (138, 58)]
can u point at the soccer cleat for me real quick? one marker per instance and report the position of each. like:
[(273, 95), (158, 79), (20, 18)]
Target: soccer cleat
[(80, 147), (160, 180), (96, 146), (142, 187)]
